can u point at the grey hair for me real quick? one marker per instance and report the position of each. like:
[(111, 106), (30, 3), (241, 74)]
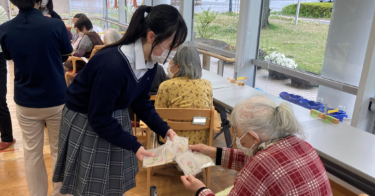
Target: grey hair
[(261, 115), (111, 36), (188, 59)]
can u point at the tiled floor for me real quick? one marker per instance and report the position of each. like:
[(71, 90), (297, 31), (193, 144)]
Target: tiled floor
[(270, 85)]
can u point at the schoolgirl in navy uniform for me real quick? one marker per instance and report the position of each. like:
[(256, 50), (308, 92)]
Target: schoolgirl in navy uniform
[(98, 153)]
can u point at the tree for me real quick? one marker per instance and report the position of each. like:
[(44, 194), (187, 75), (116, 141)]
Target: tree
[(266, 13)]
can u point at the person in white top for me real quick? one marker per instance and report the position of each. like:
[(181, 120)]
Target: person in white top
[(5, 120)]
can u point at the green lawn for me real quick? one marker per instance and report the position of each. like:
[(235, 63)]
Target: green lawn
[(305, 43)]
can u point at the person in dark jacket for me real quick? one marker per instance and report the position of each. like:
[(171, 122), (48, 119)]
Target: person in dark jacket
[(98, 152), (36, 44), (160, 77), (46, 7)]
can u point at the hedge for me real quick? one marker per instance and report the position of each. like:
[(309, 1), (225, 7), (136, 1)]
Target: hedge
[(310, 10)]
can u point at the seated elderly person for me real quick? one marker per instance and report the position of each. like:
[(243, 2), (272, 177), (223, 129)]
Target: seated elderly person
[(78, 35), (272, 157), (111, 36), (86, 45), (186, 89)]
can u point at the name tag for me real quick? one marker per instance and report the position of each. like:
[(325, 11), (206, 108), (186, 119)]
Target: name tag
[(199, 120)]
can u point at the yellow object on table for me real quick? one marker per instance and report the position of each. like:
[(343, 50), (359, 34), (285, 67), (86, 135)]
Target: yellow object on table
[(332, 111), (242, 78)]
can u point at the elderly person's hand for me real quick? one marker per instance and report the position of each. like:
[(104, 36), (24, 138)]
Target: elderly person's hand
[(191, 183), (208, 150)]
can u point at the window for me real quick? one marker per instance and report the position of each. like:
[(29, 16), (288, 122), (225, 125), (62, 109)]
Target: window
[(287, 48), (215, 27)]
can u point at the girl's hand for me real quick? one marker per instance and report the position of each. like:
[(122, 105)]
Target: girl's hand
[(171, 134), (208, 150), (142, 152)]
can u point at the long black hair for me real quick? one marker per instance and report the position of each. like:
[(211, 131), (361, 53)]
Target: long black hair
[(49, 6), (25, 4), (164, 20)]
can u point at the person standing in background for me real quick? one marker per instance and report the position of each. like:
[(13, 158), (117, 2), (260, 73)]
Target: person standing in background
[(46, 7), (6, 131), (39, 85)]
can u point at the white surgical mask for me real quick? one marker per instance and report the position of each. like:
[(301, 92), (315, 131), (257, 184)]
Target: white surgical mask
[(160, 59), (247, 151), (170, 74), (44, 3)]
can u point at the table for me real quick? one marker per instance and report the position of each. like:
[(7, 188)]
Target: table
[(345, 150)]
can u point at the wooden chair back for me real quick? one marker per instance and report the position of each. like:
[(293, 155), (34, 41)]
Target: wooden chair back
[(96, 49), (73, 73), (181, 119), (141, 125)]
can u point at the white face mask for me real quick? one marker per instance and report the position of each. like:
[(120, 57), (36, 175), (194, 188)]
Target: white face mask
[(44, 3), (247, 151), (170, 74), (160, 59)]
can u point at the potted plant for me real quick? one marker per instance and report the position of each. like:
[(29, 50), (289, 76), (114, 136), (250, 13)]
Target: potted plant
[(281, 60)]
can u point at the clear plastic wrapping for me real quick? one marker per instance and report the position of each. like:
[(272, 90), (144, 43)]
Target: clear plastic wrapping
[(158, 159), (178, 151), (169, 154), (179, 145), (204, 160), (188, 163)]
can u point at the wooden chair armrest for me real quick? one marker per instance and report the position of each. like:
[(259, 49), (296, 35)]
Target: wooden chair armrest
[(74, 61), (217, 123), (152, 97), (142, 125)]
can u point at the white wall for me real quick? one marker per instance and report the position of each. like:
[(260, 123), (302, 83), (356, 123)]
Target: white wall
[(346, 47), (60, 6)]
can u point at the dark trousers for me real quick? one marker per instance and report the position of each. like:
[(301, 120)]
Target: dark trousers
[(5, 121)]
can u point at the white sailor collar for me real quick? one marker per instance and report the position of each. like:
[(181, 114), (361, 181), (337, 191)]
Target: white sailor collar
[(140, 62)]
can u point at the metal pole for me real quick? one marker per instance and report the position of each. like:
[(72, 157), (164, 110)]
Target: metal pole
[(230, 6), (220, 68), (297, 12), (69, 9), (9, 7), (105, 13)]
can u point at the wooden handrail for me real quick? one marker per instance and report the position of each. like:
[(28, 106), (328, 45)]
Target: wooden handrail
[(230, 60)]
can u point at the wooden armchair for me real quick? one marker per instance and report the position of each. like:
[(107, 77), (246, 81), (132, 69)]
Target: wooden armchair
[(142, 126), (73, 73), (174, 115)]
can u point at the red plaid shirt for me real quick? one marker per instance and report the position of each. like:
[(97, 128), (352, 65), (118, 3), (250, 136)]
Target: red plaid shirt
[(289, 167)]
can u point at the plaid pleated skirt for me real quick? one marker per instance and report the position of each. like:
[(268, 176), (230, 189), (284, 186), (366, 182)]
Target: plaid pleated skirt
[(88, 165)]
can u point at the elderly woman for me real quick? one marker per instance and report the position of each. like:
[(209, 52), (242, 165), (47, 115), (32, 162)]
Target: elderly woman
[(186, 89), (111, 36), (86, 45), (271, 158)]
